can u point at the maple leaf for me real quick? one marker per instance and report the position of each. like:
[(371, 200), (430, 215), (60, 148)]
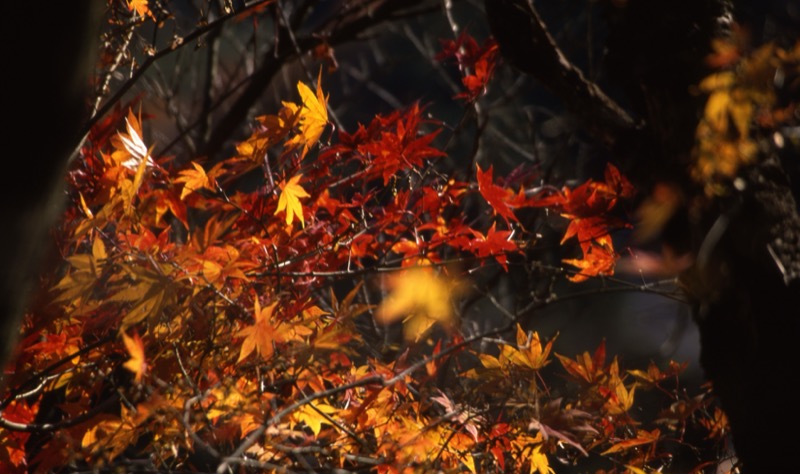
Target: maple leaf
[(261, 336), (137, 363), (289, 200), (539, 462), (481, 60), (12, 441), (597, 260), (502, 200), (313, 415), (393, 143), (195, 180), (150, 291), (313, 117), (421, 298), (529, 351), (496, 243), (132, 150), (141, 7), (585, 367), (618, 398)]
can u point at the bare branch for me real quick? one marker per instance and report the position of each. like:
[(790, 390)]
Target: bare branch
[(529, 47)]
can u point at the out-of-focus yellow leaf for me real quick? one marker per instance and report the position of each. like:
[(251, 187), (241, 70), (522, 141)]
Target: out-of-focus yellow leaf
[(137, 363), (721, 80), (716, 112), (421, 298)]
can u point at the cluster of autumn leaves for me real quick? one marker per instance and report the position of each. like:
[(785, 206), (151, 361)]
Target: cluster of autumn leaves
[(197, 319)]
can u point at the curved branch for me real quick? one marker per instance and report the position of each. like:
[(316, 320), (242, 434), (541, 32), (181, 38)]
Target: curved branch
[(525, 42)]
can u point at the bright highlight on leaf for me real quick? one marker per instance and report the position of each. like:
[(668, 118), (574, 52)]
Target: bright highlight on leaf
[(137, 363), (141, 8), (313, 117), (289, 200), (134, 144)]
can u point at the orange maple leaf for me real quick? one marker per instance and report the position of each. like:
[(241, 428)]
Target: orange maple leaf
[(140, 7), (260, 336), (289, 200), (195, 180), (137, 363)]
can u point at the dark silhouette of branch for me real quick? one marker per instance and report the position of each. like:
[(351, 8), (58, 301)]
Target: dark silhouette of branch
[(529, 47)]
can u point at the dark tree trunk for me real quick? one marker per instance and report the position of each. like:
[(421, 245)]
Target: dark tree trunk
[(49, 53), (745, 281)]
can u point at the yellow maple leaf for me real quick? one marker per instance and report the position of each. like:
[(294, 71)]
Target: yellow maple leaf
[(313, 117), (137, 363), (539, 462), (529, 351), (313, 415), (421, 298), (260, 336), (289, 200)]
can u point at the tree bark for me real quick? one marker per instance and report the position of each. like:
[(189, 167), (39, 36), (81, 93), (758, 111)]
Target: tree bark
[(745, 281), (50, 49)]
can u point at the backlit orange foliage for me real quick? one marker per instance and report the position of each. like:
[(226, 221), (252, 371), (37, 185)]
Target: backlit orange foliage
[(192, 326)]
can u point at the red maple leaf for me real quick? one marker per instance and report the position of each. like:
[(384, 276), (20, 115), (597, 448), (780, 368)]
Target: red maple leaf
[(502, 200)]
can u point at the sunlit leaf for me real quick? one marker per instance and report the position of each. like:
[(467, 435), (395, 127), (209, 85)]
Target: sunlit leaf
[(313, 415), (421, 298), (261, 336), (194, 180), (289, 200), (137, 362), (313, 117), (539, 462)]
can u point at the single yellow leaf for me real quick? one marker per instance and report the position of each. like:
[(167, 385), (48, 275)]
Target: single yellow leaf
[(137, 363), (539, 462), (313, 117), (289, 200), (312, 415), (421, 298)]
